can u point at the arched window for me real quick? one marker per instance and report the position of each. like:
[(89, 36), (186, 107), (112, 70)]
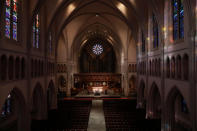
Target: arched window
[(155, 32), (168, 67), (11, 19), (6, 110), (173, 67), (11, 68), (36, 31), (143, 42), (178, 19), (186, 67)]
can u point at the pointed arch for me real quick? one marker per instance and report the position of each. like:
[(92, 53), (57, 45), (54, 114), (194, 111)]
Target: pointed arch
[(141, 94), (18, 108), (132, 86), (51, 95), (174, 101), (38, 102), (154, 102)]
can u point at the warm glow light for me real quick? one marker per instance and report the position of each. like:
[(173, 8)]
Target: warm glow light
[(84, 42), (122, 8), (110, 37), (70, 9), (164, 29), (170, 28), (133, 2), (147, 38), (165, 32)]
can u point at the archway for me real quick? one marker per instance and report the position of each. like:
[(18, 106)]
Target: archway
[(62, 84), (132, 86), (14, 114), (38, 103), (38, 112), (51, 95), (154, 102), (177, 112), (141, 95)]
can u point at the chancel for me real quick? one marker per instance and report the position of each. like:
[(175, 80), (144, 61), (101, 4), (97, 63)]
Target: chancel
[(98, 65)]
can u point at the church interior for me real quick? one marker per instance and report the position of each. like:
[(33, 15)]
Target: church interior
[(98, 65)]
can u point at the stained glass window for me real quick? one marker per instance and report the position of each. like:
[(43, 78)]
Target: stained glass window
[(7, 18), (97, 49), (155, 32), (15, 20), (178, 19), (11, 19), (181, 20), (143, 42), (6, 110), (36, 31)]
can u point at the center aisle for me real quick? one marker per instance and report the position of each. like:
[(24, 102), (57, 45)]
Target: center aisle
[(97, 119)]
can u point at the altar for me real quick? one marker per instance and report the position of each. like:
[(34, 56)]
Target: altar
[(97, 83), (97, 89)]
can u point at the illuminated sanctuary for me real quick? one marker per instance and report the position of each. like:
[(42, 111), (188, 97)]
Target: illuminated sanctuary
[(98, 65)]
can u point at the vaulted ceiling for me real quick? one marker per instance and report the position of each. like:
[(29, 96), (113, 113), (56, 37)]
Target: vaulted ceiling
[(77, 20), (62, 12)]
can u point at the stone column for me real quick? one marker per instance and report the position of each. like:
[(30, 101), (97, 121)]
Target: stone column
[(125, 77), (69, 79)]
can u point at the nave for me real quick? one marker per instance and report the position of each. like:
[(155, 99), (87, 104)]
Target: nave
[(53, 53), (119, 114)]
